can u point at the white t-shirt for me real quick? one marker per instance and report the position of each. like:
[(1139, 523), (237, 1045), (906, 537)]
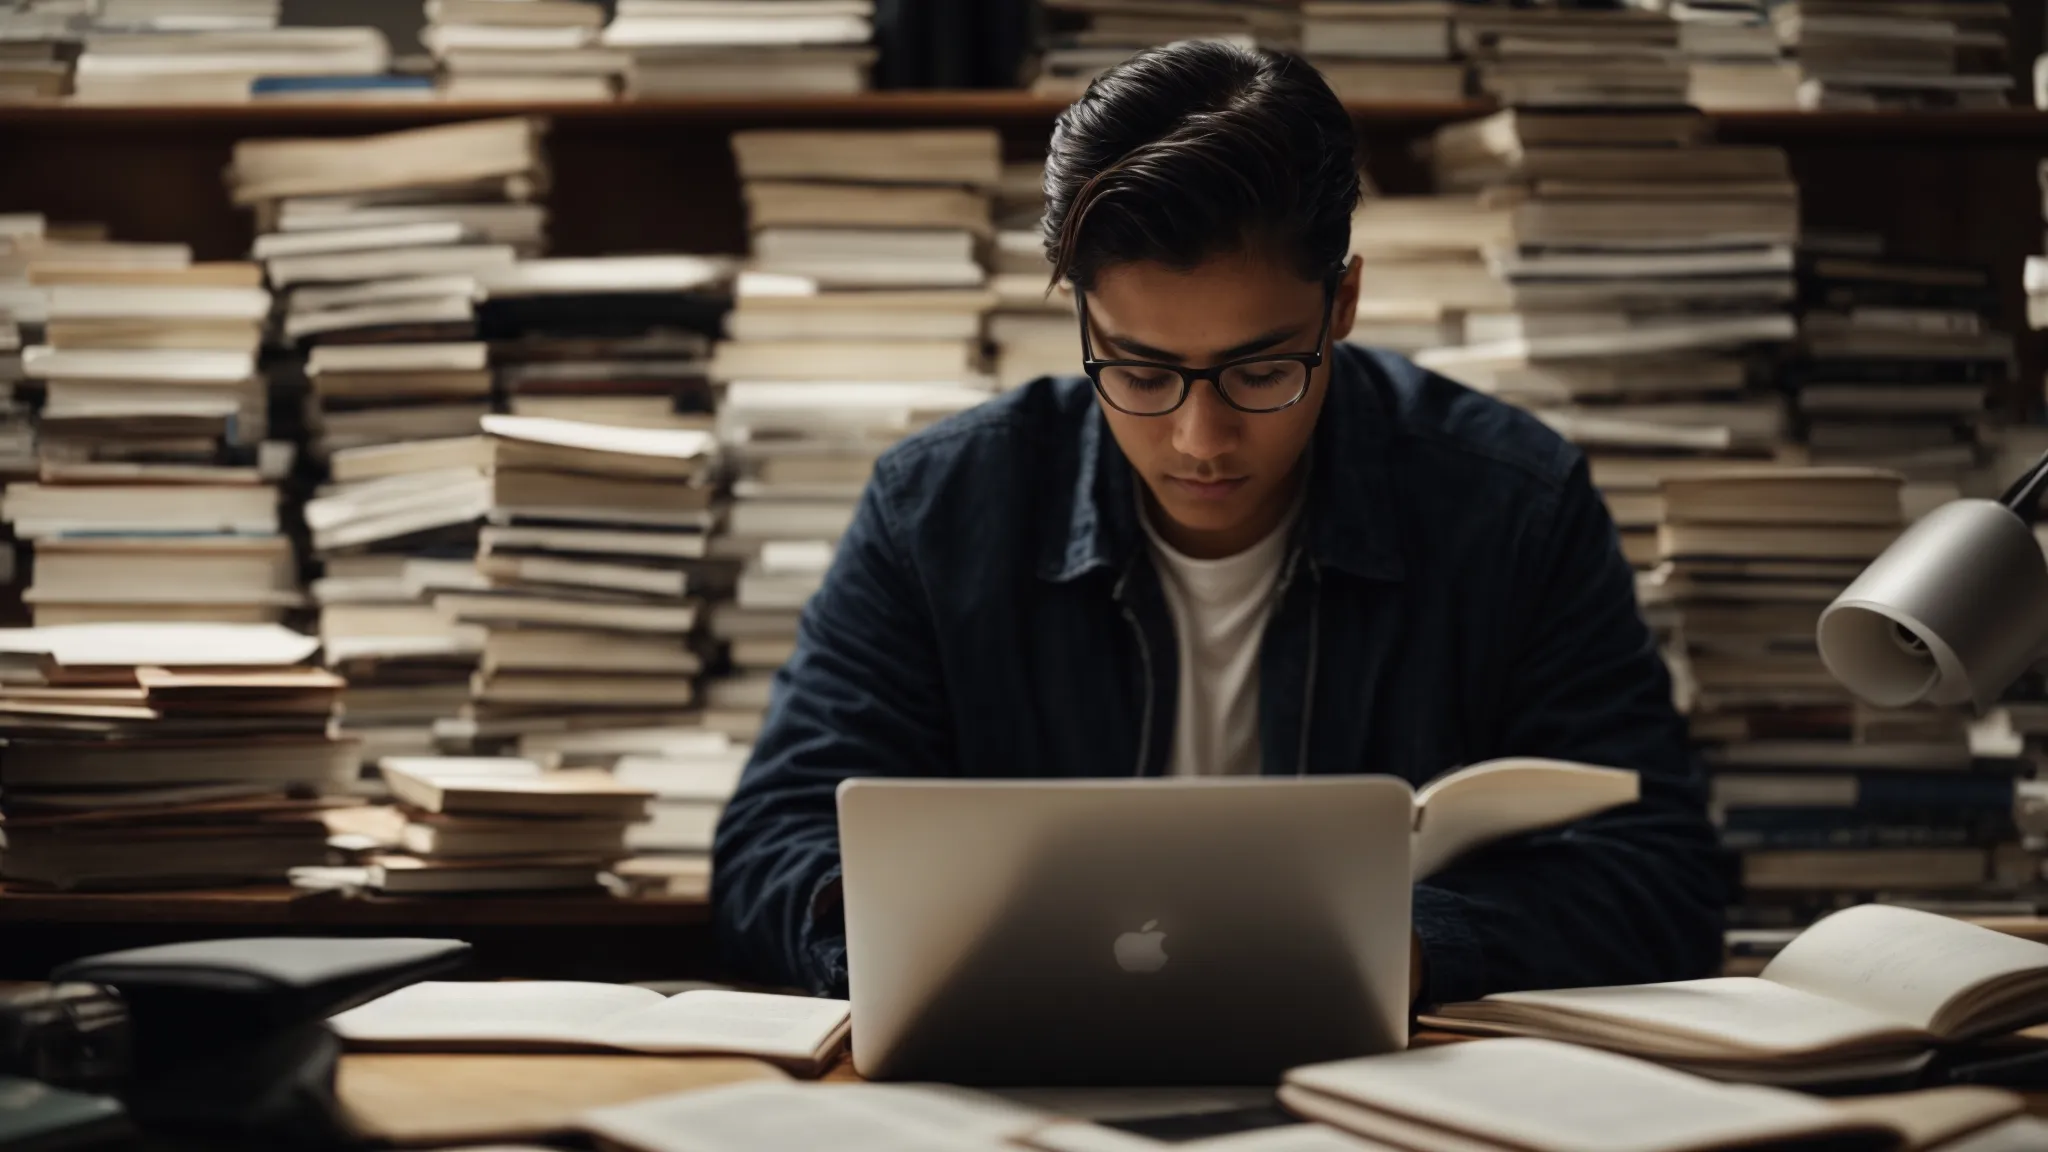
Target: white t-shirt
[(1220, 609)]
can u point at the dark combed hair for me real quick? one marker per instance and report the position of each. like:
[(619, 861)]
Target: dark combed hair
[(1195, 149)]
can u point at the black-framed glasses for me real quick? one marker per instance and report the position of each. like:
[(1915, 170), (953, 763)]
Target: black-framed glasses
[(1268, 382)]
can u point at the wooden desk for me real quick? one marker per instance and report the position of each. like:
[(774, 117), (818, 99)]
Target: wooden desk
[(561, 937)]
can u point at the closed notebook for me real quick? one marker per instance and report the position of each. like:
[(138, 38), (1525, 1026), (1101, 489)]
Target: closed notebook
[(1542, 1096), (555, 1016), (1865, 992)]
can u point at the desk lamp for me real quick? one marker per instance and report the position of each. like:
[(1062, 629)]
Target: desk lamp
[(1954, 611)]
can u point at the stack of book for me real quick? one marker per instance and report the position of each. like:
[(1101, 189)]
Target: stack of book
[(1612, 270), (1895, 363), (1825, 802), (1604, 57), (39, 42), (1871, 54), (157, 498), (393, 524), (379, 243), (164, 755), (184, 52), (691, 784), (1733, 57), (744, 47), (588, 607), (1033, 331), (1086, 37), (859, 320), (607, 340), (500, 824), (1391, 50), (380, 240), (535, 50)]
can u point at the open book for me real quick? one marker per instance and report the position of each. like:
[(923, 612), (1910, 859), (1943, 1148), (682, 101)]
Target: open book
[(1865, 992), (1473, 806), (1542, 1096), (555, 1016)]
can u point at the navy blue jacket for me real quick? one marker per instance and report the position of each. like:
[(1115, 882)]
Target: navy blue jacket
[(1454, 593)]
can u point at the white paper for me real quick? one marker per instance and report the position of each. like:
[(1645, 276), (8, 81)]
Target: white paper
[(766, 1117)]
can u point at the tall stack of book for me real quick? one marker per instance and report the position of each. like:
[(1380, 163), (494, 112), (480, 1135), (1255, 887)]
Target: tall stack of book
[(752, 47), (1895, 363), (39, 42), (1869, 54), (157, 497), (859, 320), (672, 850), (1733, 57), (499, 824), (1084, 38), (530, 50), (212, 51), (1612, 270), (1033, 330), (1580, 57), (588, 611), (379, 243), (164, 755), (1826, 802), (1393, 50)]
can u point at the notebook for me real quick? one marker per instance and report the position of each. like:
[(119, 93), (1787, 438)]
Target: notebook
[(1864, 992), (797, 1032)]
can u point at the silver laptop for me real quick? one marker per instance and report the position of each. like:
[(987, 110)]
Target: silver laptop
[(1165, 931)]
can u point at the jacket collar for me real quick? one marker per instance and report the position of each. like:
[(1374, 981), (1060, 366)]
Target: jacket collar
[(1349, 524)]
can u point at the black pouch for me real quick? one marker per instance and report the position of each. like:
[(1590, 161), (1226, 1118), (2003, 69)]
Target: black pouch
[(228, 1037)]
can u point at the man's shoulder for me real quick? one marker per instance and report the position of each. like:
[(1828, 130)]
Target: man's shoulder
[(1443, 424)]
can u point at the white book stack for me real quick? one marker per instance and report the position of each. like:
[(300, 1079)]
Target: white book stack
[(860, 319), (1386, 50), (589, 613), (522, 50), (680, 48), (38, 41), (379, 245), (211, 52), (157, 494), (23, 309), (1733, 57), (672, 850), (1612, 270), (1084, 38), (1874, 54), (477, 824), (1573, 57), (1033, 331)]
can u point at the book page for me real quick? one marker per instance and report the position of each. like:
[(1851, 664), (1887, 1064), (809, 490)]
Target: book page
[(1551, 1097), (1900, 963), (1934, 1116), (510, 1012), (1486, 802), (750, 1023), (1741, 1013), (765, 1117)]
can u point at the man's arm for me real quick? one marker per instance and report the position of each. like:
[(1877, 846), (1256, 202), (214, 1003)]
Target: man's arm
[(1628, 896), (861, 696)]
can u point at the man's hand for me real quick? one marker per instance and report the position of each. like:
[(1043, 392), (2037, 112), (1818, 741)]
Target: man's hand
[(1414, 967)]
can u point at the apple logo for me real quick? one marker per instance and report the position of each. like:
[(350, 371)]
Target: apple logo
[(1143, 951)]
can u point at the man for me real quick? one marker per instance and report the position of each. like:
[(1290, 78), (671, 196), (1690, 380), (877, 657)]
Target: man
[(1235, 546)]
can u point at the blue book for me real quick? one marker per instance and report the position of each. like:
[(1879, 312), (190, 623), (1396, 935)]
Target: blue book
[(340, 85)]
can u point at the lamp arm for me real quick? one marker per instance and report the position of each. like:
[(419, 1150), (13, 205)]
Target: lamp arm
[(2023, 496)]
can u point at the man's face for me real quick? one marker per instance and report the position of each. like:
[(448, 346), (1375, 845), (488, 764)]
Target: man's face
[(1220, 479)]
